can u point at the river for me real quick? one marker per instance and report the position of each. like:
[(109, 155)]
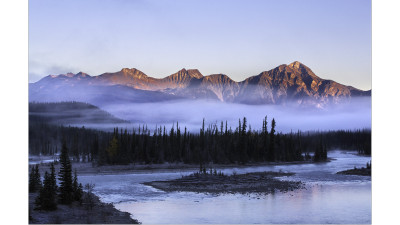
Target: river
[(327, 197)]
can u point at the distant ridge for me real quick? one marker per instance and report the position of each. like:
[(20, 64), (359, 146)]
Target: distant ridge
[(70, 113), (286, 83)]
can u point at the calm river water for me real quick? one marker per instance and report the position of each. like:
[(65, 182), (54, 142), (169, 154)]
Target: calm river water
[(328, 197)]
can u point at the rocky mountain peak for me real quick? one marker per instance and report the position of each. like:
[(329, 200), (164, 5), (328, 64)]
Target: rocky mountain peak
[(195, 73), (183, 70), (187, 74), (181, 73), (127, 70), (69, 74), (133, 72), (296, 65), (303, 70), (81, 74)]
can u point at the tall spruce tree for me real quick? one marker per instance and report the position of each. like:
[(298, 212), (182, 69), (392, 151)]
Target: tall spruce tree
[(265, 138), (271, 149), (53, 179), (46, 200), (65, 176), (32, 180), (244, 127), (35, 184), (38, 181), (77, 188)]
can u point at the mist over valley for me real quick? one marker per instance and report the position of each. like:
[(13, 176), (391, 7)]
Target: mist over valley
[(292, 94), (293, 83), (355, 114)]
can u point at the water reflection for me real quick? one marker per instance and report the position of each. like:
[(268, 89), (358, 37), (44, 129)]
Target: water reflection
[(328, 197)]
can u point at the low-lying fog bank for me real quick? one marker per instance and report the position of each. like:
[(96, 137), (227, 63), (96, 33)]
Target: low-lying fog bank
[(355, 114)]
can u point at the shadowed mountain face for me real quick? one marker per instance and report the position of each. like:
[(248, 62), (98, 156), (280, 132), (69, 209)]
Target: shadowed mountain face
[(286, 83)]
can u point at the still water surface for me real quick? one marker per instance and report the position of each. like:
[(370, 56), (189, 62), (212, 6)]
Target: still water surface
[(328, 197)]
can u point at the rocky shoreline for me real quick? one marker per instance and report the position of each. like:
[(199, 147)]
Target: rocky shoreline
[(258, 182), (100, 213)]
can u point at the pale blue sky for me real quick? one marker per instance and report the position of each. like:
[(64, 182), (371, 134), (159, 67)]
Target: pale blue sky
[(238, 38)]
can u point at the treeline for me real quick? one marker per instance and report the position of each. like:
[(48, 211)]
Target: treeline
[(214, 143), (359, 140), (46, 139)]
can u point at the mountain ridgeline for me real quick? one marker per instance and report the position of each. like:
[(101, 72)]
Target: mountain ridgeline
[(286, 83)]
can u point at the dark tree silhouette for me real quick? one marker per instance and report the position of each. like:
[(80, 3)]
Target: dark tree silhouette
[(46, 200), (77, 188), (271, 150), (65, 177), (240, 144), (53, 179), (320, 153), (32, 187), (88, 198), (35, 183)]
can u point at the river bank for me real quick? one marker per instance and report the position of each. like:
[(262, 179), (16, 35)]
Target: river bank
[(100, 213), (85, 168), (106, 213)]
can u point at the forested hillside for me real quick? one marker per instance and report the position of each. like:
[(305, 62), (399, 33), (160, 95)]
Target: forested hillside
[(70, 113)]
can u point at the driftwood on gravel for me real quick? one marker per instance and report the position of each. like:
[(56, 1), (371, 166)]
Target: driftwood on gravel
[(258, 182)]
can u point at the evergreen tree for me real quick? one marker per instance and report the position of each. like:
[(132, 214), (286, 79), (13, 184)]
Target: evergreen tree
[(77, 188), (65, 176), (75, 149), (53, 181), (240, 127), (95, 147), (271, 149), (32, 180), (244, 126), (38, 181), (112, 149), (243, 141), (35, 183), (265, 138), (46, 200), (320, 152), (88, 198)]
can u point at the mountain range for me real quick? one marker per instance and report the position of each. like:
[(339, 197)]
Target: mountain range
[(286, 83)]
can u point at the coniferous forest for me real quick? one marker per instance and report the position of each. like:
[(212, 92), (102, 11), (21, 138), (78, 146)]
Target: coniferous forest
[(216, 143), (50, 194)]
